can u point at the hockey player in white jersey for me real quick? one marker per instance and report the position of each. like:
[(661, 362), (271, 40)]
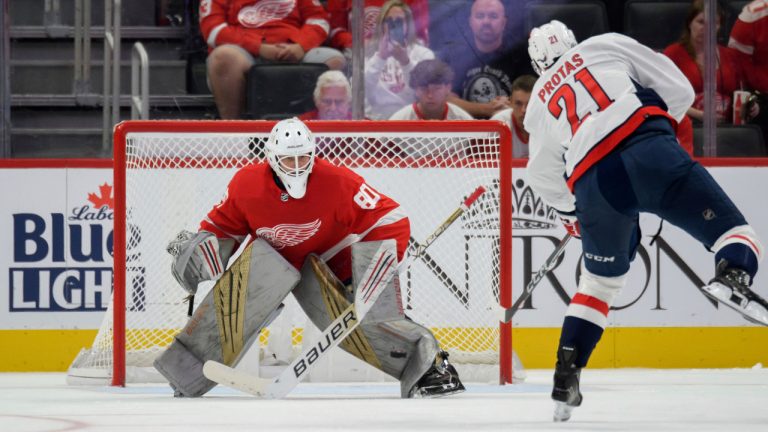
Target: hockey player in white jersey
[(602, 120)]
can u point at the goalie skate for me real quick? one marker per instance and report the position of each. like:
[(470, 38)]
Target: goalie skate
[(440, 380), (566, 392), (731, 288)]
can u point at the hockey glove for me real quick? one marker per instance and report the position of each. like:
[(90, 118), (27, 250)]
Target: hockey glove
[(196, 259), (571, 223)]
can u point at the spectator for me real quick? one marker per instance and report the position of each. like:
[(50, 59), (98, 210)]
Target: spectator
[(241, 33), (485, 63), (688, 55), (513, 117), (341, 11), (431, 80), (333, 98), (749, 38), (388, 69)]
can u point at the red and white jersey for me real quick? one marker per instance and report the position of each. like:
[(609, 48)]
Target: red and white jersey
[(339, 209), (413, 112), (248, 23), (519, 140), (585, 104), (340, 17), (749, 36)]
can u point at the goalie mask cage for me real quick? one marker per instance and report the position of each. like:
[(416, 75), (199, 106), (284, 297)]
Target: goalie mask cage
[(169, 174)]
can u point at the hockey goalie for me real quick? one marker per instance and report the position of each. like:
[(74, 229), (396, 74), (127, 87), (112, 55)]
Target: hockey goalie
[(317, 230)]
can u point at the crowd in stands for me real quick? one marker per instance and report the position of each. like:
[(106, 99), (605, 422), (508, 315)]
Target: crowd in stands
[(473, 65), (394, 52)]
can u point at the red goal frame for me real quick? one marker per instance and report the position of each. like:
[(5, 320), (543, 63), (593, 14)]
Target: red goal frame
[(172, 126)]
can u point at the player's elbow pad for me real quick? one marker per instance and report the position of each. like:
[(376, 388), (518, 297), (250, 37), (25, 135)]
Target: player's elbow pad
[(197, 257)]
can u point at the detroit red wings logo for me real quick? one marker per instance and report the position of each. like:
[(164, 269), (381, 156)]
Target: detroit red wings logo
[(265, 11), (284, 235)]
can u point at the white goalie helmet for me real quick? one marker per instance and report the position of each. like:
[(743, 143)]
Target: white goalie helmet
[(290, 151), (547, 43)]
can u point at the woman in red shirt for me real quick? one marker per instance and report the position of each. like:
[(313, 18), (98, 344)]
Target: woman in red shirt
[(688, 55)]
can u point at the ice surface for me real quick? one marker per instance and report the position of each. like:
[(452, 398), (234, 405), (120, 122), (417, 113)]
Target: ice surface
[(614, 400)]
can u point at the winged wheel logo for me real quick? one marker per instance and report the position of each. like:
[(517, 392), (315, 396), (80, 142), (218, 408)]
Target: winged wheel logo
[(284, 235)]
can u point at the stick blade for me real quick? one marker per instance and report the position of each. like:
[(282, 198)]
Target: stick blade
[(233, 378)]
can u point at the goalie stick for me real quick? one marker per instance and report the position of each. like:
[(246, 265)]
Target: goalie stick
[(506, 314), (375, 279)]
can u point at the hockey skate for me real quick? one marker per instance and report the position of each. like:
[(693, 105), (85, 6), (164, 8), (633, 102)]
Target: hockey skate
[(440, 380), (731, 287), (566, 392)]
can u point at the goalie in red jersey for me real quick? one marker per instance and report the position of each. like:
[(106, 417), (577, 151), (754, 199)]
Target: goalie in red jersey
[(314, 225)]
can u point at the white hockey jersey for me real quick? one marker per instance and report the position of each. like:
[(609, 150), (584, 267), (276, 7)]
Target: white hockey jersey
[(585, 104)]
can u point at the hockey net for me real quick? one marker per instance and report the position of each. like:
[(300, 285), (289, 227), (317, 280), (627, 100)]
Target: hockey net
[(168, 175)]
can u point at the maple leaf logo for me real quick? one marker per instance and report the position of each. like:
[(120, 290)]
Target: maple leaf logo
[(104, 198)]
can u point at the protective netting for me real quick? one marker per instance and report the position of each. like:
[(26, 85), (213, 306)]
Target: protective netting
[(173, 179)]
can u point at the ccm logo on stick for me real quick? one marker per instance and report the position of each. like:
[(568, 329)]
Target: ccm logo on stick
[(335, 333)]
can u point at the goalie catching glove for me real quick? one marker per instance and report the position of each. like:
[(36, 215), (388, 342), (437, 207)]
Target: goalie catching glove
[(197, 257)]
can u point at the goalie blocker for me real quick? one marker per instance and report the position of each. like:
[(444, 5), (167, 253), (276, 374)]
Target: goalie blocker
[(260, 279)]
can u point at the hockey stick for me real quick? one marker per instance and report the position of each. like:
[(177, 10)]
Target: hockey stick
[(375, 279), (418, 251), (549, 264)]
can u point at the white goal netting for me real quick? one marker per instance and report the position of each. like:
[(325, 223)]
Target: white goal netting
[(174, 172)]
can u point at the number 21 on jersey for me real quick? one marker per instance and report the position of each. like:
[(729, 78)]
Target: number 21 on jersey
[(564, 99)]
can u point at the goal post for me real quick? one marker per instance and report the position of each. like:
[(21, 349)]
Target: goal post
[(168, 174)]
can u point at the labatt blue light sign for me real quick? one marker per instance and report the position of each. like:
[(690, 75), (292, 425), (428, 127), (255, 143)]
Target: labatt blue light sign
[(63, 262)]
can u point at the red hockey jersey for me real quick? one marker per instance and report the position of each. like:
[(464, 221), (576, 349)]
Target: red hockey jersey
[(248, 23), (750, 37), (339, 209)]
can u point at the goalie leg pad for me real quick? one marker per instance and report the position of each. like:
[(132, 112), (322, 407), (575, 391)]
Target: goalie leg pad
[(246, 297), (408, 350), (183, 370), (385, 339)]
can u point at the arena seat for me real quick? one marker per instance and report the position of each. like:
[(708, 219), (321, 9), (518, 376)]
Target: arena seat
[(656, 24), (733, 141), (585, 17), (281, 90)]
